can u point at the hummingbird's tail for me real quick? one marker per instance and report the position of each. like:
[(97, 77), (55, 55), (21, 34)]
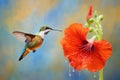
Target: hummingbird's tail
[(24, 54)]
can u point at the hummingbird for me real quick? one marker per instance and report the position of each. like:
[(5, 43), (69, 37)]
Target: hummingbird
[(32, 41)]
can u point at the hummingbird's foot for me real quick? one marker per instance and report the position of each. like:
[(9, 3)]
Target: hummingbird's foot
[(34, 51)]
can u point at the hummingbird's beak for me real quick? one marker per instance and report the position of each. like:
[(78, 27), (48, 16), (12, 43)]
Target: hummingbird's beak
[(56, 30)]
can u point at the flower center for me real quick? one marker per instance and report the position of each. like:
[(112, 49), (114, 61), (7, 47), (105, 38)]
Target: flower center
[(87, 47)]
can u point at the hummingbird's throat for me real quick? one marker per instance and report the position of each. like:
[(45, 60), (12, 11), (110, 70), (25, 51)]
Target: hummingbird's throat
[(43, 33)]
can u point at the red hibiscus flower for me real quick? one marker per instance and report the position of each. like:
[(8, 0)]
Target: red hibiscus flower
[(84, 53)]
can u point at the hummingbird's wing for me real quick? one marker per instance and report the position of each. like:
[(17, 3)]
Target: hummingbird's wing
[(26, 37)]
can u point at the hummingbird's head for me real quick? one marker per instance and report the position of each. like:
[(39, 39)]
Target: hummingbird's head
[(45, 30)]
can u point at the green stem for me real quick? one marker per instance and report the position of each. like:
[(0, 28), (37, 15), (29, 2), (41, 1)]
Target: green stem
[(99, 29), (101, 74), (97, 35)]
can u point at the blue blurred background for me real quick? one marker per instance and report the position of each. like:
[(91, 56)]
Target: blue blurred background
[(48, 62)]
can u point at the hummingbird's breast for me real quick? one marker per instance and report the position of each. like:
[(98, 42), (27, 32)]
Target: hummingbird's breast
[(36, 43)]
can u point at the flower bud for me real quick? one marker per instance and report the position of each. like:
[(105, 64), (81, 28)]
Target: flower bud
[(100, 18), (89, 15)]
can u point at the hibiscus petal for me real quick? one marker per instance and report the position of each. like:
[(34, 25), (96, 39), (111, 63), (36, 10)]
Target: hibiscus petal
[(95, 62), (77, 30), (76, 61), (102, 51), (75, 35)]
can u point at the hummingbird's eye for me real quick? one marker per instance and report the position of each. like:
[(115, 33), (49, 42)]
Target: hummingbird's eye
[(47, 28)]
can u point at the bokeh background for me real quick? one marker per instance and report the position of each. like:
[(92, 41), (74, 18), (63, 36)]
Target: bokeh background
[(48, 62)]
